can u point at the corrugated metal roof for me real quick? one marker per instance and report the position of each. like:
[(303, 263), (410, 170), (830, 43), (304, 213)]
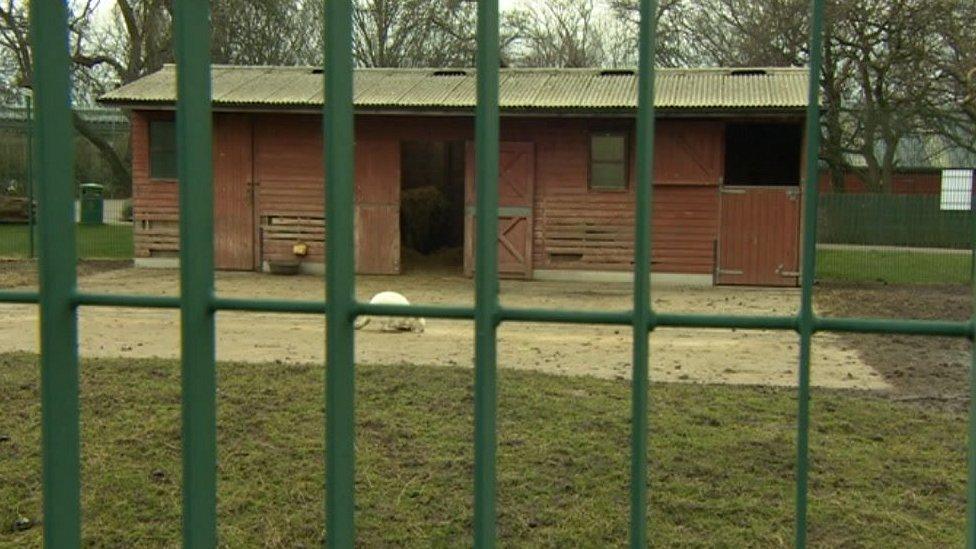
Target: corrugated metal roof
[(97, 115), (520, 89), (102, 119), (924, 152)]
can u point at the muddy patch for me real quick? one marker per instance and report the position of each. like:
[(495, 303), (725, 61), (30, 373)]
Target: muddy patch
[(928, 370)]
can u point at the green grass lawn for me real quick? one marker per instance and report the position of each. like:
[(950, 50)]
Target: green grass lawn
[(893, 267), (721, 465), (94, 241)]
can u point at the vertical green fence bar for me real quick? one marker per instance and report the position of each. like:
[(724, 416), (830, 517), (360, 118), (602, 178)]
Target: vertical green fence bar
[(195, 169), (808, 268), (339, 276), (971, 483), (971, 473), (57, 277), (31, 219), (642, 274), (486, 274)]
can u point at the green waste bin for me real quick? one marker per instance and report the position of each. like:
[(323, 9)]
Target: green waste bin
[(92, 204)]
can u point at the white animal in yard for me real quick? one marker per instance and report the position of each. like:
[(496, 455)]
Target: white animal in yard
[(391, 323)]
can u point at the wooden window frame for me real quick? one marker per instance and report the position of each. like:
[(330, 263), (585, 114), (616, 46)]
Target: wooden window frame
[(610, 132), (149, 129)]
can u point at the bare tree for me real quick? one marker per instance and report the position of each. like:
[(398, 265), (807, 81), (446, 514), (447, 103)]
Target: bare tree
[(89, 59), (137, 40), (888, 47), (672, 49), (891, 67), (413, 33), (879, 58), (267, 32), (835, 77), (558, 33), (747, 33), (952, 108)]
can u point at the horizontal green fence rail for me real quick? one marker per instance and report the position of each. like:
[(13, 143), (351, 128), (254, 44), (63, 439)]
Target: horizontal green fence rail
[(59, 298)]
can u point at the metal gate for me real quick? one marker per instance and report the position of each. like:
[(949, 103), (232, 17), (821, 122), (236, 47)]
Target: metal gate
[(759, 236), (60, 297)]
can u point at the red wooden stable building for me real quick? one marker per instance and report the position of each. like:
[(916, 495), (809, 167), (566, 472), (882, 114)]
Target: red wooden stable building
[(727, 168)]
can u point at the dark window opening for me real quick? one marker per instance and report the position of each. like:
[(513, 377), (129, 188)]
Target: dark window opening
[(763, 154), (162, 149), (431, 204), (561, 257), (608, 161), (748, 72), (617, 72)]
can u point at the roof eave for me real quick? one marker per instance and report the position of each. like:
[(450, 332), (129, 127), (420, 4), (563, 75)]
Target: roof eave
[(432, 110)]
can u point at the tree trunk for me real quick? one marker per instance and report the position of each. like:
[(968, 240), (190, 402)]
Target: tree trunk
[(873, 178), (121, 177), (836, 177), (888, 165)]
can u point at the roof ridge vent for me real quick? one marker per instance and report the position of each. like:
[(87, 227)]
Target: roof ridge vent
[(450, 72), (617, 72), (748, 72)]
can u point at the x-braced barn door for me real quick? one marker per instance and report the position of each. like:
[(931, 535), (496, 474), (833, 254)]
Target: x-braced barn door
[(759, 237), (516, 180)]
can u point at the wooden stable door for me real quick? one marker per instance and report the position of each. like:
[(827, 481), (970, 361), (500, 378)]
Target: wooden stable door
[(233, 193), (377, 207), (516, 181), (759, 237)]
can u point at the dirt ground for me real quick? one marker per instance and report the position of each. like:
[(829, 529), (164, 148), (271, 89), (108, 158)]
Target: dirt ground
[(17, 273), (928, 370), (711, 356)]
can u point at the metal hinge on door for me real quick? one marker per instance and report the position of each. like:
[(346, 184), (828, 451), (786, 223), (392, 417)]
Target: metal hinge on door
[(734, 272), (781, 272)]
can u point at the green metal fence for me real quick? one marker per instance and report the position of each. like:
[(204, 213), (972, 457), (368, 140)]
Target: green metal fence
[(91, 166), (111, 240), (111, 237), (894, 238), (59, 298), (885, 219), (845, 264)]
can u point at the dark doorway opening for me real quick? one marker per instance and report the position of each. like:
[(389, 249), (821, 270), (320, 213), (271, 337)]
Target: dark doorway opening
[(763, 154), (432, 204)]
